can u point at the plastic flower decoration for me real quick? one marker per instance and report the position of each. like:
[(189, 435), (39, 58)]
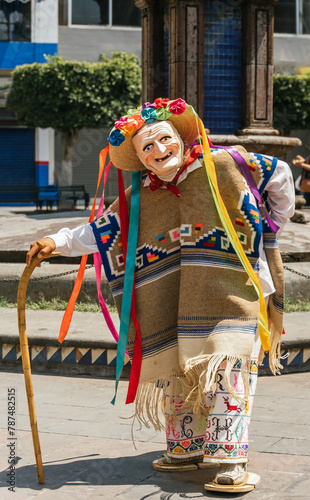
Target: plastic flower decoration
[(148, 115), (149, 112), (161, 102), (116, 137)]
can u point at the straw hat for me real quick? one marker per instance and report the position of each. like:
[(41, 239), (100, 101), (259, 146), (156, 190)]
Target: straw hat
[(182, 116)]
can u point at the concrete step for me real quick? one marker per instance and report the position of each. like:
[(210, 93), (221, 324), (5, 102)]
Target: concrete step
[(296, 285), (90, 349), (55, 286)]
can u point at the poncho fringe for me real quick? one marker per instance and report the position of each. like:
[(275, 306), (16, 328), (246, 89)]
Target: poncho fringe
[(198, 379)]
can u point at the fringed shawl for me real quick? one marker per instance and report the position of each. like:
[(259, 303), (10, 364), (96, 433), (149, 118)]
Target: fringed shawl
[(194, 301)]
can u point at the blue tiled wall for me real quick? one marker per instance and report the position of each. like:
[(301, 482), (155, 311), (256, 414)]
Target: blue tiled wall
[(222, 65)]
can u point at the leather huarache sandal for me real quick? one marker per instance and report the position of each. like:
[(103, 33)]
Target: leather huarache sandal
[(168, 464), (233, 478)]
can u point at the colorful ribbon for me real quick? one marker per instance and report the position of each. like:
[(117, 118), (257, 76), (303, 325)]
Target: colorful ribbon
[(66, 320), (248, 177), (98, 266), (234, 240), (137, 352), (129, 277)]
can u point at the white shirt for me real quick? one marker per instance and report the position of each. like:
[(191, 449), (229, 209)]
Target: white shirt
[(281, 201)]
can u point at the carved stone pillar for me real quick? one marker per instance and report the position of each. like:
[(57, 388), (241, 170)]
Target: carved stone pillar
[(186, 41), (153, 50), (257, 95)]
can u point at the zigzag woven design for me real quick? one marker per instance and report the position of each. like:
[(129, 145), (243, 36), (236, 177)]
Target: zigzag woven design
[(52, 354), (107, 357)]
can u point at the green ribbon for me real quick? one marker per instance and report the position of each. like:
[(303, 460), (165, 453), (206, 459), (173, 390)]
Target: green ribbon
[(129, 277)]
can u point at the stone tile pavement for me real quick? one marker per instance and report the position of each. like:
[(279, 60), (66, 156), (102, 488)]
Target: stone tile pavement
[(86, 443), (88, 452)]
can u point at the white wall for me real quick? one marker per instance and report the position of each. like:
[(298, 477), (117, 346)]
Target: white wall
[(44, 21), (291, 52), (87, 43)]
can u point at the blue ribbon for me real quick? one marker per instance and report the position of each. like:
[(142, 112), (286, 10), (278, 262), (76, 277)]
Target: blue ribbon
[(129, 277)]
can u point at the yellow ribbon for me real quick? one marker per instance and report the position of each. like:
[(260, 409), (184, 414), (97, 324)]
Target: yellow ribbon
[(232, 235)]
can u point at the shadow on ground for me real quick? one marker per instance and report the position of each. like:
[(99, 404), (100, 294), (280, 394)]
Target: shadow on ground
[(89, 470)]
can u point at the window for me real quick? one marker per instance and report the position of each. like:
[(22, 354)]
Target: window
[(292, 16), (105, 12), (15, 17), (63, 12)]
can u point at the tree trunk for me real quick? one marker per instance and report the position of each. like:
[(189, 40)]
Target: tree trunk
[(64, 174)]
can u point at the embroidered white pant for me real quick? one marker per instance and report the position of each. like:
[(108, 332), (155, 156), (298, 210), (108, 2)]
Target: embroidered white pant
[(223, 436)]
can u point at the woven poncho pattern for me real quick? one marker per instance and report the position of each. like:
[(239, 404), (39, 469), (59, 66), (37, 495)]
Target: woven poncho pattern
[(194, 301)]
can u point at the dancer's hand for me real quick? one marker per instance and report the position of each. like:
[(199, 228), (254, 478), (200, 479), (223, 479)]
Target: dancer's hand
[(41, 247), (298, 161)]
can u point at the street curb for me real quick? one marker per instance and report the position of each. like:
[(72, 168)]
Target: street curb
[(61, 286), (98, 358)]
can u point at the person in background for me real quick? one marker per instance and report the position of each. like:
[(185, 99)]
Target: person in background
[(303, 181)]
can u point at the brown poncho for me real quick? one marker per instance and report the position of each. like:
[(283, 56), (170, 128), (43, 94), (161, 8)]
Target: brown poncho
[(194, 301)]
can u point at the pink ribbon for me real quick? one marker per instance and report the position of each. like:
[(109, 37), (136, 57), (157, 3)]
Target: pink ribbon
[(98, 262)]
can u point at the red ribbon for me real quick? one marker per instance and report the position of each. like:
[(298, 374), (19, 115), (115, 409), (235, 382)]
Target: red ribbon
[(137, 352)]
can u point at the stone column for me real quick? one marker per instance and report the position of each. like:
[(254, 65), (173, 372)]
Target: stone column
[(186, 41), (257, 94), (153, 50)]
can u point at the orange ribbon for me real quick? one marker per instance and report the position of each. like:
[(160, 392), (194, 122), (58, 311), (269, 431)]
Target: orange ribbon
[(66, 320)]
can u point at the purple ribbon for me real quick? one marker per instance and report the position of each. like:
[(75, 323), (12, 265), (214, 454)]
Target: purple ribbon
[(248, 177)]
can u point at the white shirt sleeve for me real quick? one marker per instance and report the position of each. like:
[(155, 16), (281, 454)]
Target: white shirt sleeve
[(281, 200), (75, 242), (281, 194)]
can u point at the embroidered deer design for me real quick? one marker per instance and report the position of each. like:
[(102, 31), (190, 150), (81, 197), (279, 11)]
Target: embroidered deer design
[(230, 407)]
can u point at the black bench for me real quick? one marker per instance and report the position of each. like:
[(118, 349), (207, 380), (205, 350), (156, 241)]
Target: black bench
[(75, 193), (38, 195)]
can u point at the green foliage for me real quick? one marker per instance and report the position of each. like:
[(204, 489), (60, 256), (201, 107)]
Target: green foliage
[(304, 70), (70, 94), (56, 304), (291, 102), (297, 305)]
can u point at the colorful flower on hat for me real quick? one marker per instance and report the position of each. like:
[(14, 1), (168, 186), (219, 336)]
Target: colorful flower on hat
[(149, 115), (132, 124), (116, 137), (121, 122), (177, 107), (149, 112), (161, 102), (148, 105), (132, 111), (163, 113), (138, 120)]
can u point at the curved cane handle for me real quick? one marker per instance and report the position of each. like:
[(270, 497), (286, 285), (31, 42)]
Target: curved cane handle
[(21, 301), (23, 283)]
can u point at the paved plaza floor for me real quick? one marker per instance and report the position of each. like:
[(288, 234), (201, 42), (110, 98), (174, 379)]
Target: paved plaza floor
[(88, 452), (87, 444)]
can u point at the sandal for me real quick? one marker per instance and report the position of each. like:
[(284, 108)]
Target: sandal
[(233, 478), (168, 464)]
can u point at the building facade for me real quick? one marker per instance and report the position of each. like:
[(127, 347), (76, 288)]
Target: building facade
[(28, 32), (292, 36), (79, 30), (83, 29)]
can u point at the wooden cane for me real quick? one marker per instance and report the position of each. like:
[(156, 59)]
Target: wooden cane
[(21, 303)]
